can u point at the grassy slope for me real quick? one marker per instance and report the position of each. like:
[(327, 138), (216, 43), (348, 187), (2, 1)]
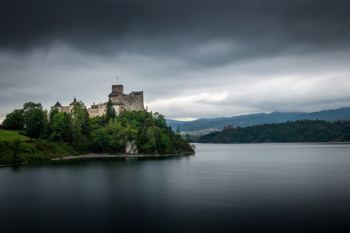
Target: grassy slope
[(6, 135), (16, 148)]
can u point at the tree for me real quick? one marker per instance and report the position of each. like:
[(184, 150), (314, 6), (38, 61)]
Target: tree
[(14, 120), (178, 130), (110, 112), (159, 120), (188, 137), (79, 140), (80, 114), (97, 122), (62, 128), (52, 114), (36, 121), (99, 140), (29, 106), (165, 144)]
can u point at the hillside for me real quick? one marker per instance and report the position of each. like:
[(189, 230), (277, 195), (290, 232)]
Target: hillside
[(297, 131), (46, 134), (216, 124), (16, 148)]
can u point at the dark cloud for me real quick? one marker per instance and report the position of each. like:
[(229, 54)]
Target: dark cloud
[(107, 26), (192, 58)]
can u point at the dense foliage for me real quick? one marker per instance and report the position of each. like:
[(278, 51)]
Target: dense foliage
[(297, 131), (108, 133), (14, 120), (16, 148), (150, 131)]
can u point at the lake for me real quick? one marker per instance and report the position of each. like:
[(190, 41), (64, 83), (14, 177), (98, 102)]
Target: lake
[(223, 188)]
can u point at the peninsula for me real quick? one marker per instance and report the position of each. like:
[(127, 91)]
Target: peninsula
[(120, 127)]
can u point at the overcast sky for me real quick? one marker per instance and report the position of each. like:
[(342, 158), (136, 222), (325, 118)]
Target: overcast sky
[(191, 58)]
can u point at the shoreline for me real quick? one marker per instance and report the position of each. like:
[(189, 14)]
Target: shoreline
[(103, 155), (97, 156)]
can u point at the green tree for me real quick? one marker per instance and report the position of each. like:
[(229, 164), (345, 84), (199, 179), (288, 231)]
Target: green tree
[(110, 112), (97, 122), (81, 114), (52, 114), (178, 130), (62, 128), (159, 120), (188, 137), (14, 120), (36, 121), (165, 144), (99, 140), (79, 141), (28, 106)]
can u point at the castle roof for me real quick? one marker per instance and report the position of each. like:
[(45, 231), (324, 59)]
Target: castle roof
[(58, 104), (113, 93), (74, 102)]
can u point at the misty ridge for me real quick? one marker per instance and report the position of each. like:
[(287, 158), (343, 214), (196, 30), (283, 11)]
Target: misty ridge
[(207, 125)]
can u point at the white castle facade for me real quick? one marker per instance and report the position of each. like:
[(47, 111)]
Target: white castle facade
[(129, 102)]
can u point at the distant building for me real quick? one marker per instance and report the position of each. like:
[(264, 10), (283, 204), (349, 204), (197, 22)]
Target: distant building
[(227, 127), (129, 102)]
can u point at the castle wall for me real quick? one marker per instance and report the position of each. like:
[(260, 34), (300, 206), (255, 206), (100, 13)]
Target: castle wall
[(133, 101), (97, 110), (93, 112), (101, 109), (65, 109), (121, 102), (58, 108), (71, 107), (117, 109), (116, 99)]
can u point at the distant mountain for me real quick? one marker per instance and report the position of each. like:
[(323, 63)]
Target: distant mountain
[(206, 125), (291, 131)]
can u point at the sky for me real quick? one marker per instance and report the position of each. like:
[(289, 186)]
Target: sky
[(192, 58)]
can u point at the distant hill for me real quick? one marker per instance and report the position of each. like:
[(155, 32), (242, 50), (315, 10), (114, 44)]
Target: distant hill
[(292, 131), (205, 125)]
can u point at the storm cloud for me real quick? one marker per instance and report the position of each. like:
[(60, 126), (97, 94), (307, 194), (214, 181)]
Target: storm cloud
[(191, 58)]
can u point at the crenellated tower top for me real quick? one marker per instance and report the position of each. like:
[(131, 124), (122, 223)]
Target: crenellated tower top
[(118, 89)]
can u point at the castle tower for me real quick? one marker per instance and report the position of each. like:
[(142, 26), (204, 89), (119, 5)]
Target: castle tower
[(58, 106), (118, 89), (72, 105), (117, 94)]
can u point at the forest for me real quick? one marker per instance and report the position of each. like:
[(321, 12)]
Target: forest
[(55, 134), (296, 131)]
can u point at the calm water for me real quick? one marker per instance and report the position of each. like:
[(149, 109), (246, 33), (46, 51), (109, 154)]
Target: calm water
[(243, 187)]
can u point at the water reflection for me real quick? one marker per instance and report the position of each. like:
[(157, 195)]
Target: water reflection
[(242, 187)]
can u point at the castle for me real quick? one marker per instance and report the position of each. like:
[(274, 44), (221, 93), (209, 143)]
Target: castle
[(129, 102)]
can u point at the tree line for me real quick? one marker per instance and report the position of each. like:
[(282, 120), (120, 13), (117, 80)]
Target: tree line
[(296, 131), (108, 133)]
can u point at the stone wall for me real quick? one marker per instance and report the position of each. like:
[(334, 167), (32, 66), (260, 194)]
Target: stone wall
[(65, 109), (133, 101), (121, 102), (97, 110), (116, 99)]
